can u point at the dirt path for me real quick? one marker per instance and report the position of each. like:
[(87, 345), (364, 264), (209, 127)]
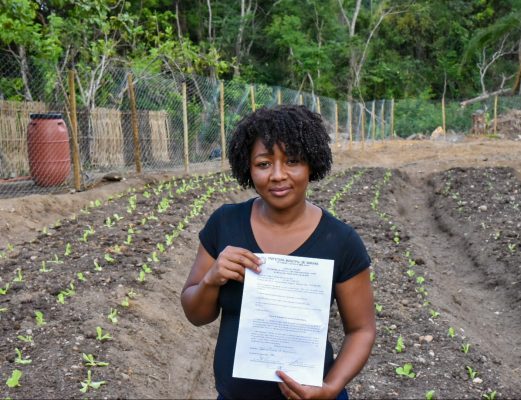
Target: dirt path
[(458, 288)]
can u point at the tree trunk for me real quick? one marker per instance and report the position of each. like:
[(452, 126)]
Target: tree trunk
[(24, 69)]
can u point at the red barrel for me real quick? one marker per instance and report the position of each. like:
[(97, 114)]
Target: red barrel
[(48, 149)]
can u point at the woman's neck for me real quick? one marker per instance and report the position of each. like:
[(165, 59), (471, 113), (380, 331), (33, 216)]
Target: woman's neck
[(283, 217)]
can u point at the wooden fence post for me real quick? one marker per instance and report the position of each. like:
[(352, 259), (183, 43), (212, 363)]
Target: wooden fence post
[(300, 99), (443, 114), (223, 134), (362, 111), (392, 134), (350, 122), (337, 133), (133, 111), (382, 117), (318, 106), (185, 130), (252, 96), (373, 122), (74, 133), (495, 114), (279, 97)]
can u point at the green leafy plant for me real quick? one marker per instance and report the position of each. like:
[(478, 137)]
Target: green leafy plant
[(465, 347), (44, 267), (471, 372), (420, 280), (491, 395), (108, 258), (25, 339), (68, 250), (39, 318), (113, 316), (19, 276), (97, 266), (81, 277), (372, 276), (430, 395), (512, 247), (101, 336), (399, 344), (378, 307), (56, 260), (90, 361), (3, 291), (451, 332), (14, 379), (125, 302), (410, 273), (406, 370), (89, 383), (20, 359), (434, 314)]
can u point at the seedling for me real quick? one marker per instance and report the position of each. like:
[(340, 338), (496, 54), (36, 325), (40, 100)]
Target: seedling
[(372, 276), (14, 380), (125, 302), (25, 339), (153, 257), (131, 294), (512, 247), (38, 315), (378, 307), (399, 344), (490, 395), (109, 223), (3, 309), (90, 361), (465, 347), (146, 268), (160, 247), (68, 250), (19, 275), (406, 370), (410, 273), (109, 258), (44, 267), (117, 217), (102, 336), (141, 278), (19, 358), (4, 290), (451, 332), (56, 260), (471, 372), (97, 266), (420, 280), (85, 385), (434, 314), (430, 395), (129, 240), (81, 277), (113, 316)]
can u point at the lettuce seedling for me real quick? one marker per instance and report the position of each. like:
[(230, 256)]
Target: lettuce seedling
[(109, 258), (4, 290), (102, 336), (19, 275), (434, 314), (471, 372), (14, 380), (406, 370), (39, 318), (81, 277), (19, 358), (90, 361), (113, 316), (25, 339), (430, 395), (399, 344), (68, 250), (451, 332), (97, 266), (85, 385), (378, 307), (44, 267), (465, 347)]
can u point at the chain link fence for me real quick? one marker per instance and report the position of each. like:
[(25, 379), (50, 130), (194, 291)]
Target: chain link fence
[(64, 130)]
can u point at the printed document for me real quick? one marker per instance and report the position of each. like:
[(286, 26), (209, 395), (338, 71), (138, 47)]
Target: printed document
[(284, 319)]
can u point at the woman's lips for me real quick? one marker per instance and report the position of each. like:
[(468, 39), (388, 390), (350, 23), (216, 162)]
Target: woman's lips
[(282, 191)]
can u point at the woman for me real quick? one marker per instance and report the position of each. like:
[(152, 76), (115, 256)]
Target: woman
[(278, 152)]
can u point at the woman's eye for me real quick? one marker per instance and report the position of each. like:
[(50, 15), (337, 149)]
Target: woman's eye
[(263, 164), (293, 161)]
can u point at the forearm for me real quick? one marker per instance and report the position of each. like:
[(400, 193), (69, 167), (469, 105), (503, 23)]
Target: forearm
[(351, 358), (200, 303)]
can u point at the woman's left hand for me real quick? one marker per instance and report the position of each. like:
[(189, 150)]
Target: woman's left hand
[(294, 390)]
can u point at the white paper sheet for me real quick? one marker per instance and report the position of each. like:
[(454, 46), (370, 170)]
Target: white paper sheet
[(284, 319)]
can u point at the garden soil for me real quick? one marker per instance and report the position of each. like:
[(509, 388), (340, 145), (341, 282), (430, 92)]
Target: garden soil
[(441, 222)]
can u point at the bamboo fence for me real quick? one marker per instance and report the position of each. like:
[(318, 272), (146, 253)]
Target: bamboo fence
[(107, 138)]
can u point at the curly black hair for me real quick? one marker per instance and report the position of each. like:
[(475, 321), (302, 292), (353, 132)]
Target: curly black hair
[(300, 130)]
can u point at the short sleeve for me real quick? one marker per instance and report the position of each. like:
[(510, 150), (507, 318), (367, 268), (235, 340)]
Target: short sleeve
[(355, 258), (208, 235)]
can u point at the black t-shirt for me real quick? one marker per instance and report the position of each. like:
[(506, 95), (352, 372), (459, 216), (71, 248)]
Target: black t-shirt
[(230, 226)]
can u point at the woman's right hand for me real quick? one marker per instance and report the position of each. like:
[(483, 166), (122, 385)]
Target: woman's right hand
[(231, 264)]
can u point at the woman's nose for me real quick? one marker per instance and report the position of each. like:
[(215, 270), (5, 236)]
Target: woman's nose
[(279, 171)]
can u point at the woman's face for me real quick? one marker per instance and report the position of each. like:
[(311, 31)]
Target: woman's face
[(281, 180)]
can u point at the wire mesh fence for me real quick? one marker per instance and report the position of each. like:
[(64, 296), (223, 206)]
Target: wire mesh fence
[(63, 130)]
